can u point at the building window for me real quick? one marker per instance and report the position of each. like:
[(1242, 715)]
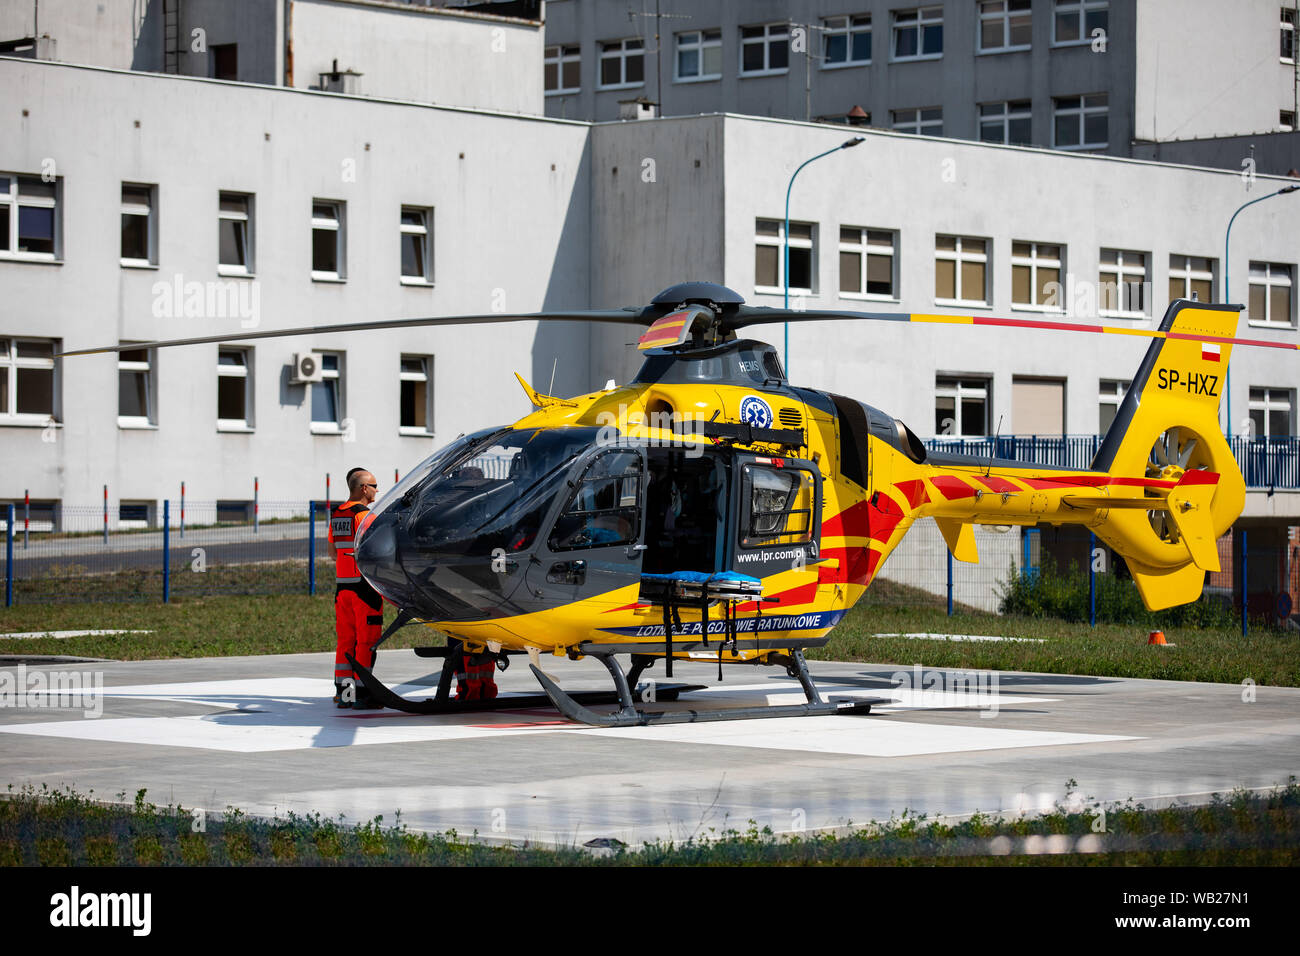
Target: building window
[(235, 225), (1005, 122), (961, 406), (29, 216), (1110, 395), (234, 389), (769, 256), (327, 395), (417, 395), (1075, 20), (28, 381), (1191, 277), (1285, 121), (136, 388), (699, 55), (960, 270), (562, 69), (924, 122), (1004, 25), (918, 34), (846, 41), (139, 244), (1270, 412), (1036, 276), (867, 258), (764, 49), (225, 61), (622, 64), (1287, 29), (1270, 294), (328, 243), (1081, 122), (1122, 284), (417, 265)]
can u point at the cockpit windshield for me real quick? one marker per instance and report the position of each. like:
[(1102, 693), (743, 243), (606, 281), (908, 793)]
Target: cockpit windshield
[(503, 483), (435, 463)]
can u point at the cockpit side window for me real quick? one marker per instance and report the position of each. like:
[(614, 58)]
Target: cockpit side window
[(605, 507)]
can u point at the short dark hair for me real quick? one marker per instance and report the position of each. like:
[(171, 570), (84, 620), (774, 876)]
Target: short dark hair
[(354, 482)]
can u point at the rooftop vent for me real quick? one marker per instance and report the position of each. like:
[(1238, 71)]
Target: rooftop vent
[(336, 81)]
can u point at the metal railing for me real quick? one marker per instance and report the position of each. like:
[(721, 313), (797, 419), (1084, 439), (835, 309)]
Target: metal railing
[(1272, 463)]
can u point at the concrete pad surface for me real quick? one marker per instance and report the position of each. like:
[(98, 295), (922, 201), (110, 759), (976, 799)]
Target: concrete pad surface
[(261, 734)]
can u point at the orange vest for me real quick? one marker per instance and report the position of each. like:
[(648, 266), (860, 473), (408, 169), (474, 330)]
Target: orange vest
[(344, 521)]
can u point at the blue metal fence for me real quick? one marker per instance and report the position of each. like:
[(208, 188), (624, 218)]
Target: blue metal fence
[(1265, 462)]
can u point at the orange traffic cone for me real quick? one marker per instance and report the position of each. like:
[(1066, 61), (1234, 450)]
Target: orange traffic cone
[(1157, 637)]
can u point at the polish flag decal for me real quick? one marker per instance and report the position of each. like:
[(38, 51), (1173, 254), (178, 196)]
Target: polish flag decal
[(1210, 352)]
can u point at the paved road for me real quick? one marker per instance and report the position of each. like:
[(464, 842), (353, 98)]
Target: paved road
[(260, 733)]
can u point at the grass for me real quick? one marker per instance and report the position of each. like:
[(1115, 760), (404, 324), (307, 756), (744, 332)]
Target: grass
[(50, 827), (227, 625), (216, 626)]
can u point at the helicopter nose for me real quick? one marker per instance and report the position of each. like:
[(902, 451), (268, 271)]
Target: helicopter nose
[(377, 557)]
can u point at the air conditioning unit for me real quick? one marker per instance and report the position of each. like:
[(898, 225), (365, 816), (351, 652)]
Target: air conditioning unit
[(306, 368)]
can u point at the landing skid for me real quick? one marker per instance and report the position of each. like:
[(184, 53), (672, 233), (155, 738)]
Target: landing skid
[(381, 694), (629, 716)]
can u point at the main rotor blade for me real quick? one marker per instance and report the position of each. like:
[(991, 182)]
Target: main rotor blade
[(627, 316), (757, 315)]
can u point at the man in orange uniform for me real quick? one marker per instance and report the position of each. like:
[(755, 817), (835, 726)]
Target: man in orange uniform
[(358, 608)]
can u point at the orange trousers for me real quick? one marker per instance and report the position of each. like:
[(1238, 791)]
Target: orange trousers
[(358, 626)]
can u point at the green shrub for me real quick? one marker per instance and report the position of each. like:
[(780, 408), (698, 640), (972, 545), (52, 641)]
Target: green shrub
[(1048, 592)]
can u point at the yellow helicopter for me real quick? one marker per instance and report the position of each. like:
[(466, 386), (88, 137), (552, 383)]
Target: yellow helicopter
[(708, 510)]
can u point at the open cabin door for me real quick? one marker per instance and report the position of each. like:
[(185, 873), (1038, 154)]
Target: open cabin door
[(596, 542), (777, 515)]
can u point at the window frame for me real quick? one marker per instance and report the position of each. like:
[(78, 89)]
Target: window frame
[(565, 53), (1267, 403), (1286, 26), (1023, 111), (425, 375), (1111, 391), (1034, 261), (846, 27), (863, 248), (795, 243), (11, 363), (1082, 8), (1081, 112), (1187, 275), (12, 203), (1005, 16), (623, 55), (249, 267), (151, 226), (338, 225), (424, 229), (918, 121), (898, 25), (150, 369), (707, 40), (959, 388), (243, 371), (1269, 283), (959, 256), (766, 41), (1121, 270), (337, 376)]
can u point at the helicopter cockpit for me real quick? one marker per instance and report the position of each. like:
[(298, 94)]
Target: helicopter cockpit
[(511, 521)]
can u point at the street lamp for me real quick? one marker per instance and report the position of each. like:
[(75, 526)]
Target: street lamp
[(785, 272), (1227, 283)]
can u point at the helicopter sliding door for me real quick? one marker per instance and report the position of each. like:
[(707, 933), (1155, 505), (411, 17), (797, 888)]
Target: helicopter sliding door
[(597, 539)]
